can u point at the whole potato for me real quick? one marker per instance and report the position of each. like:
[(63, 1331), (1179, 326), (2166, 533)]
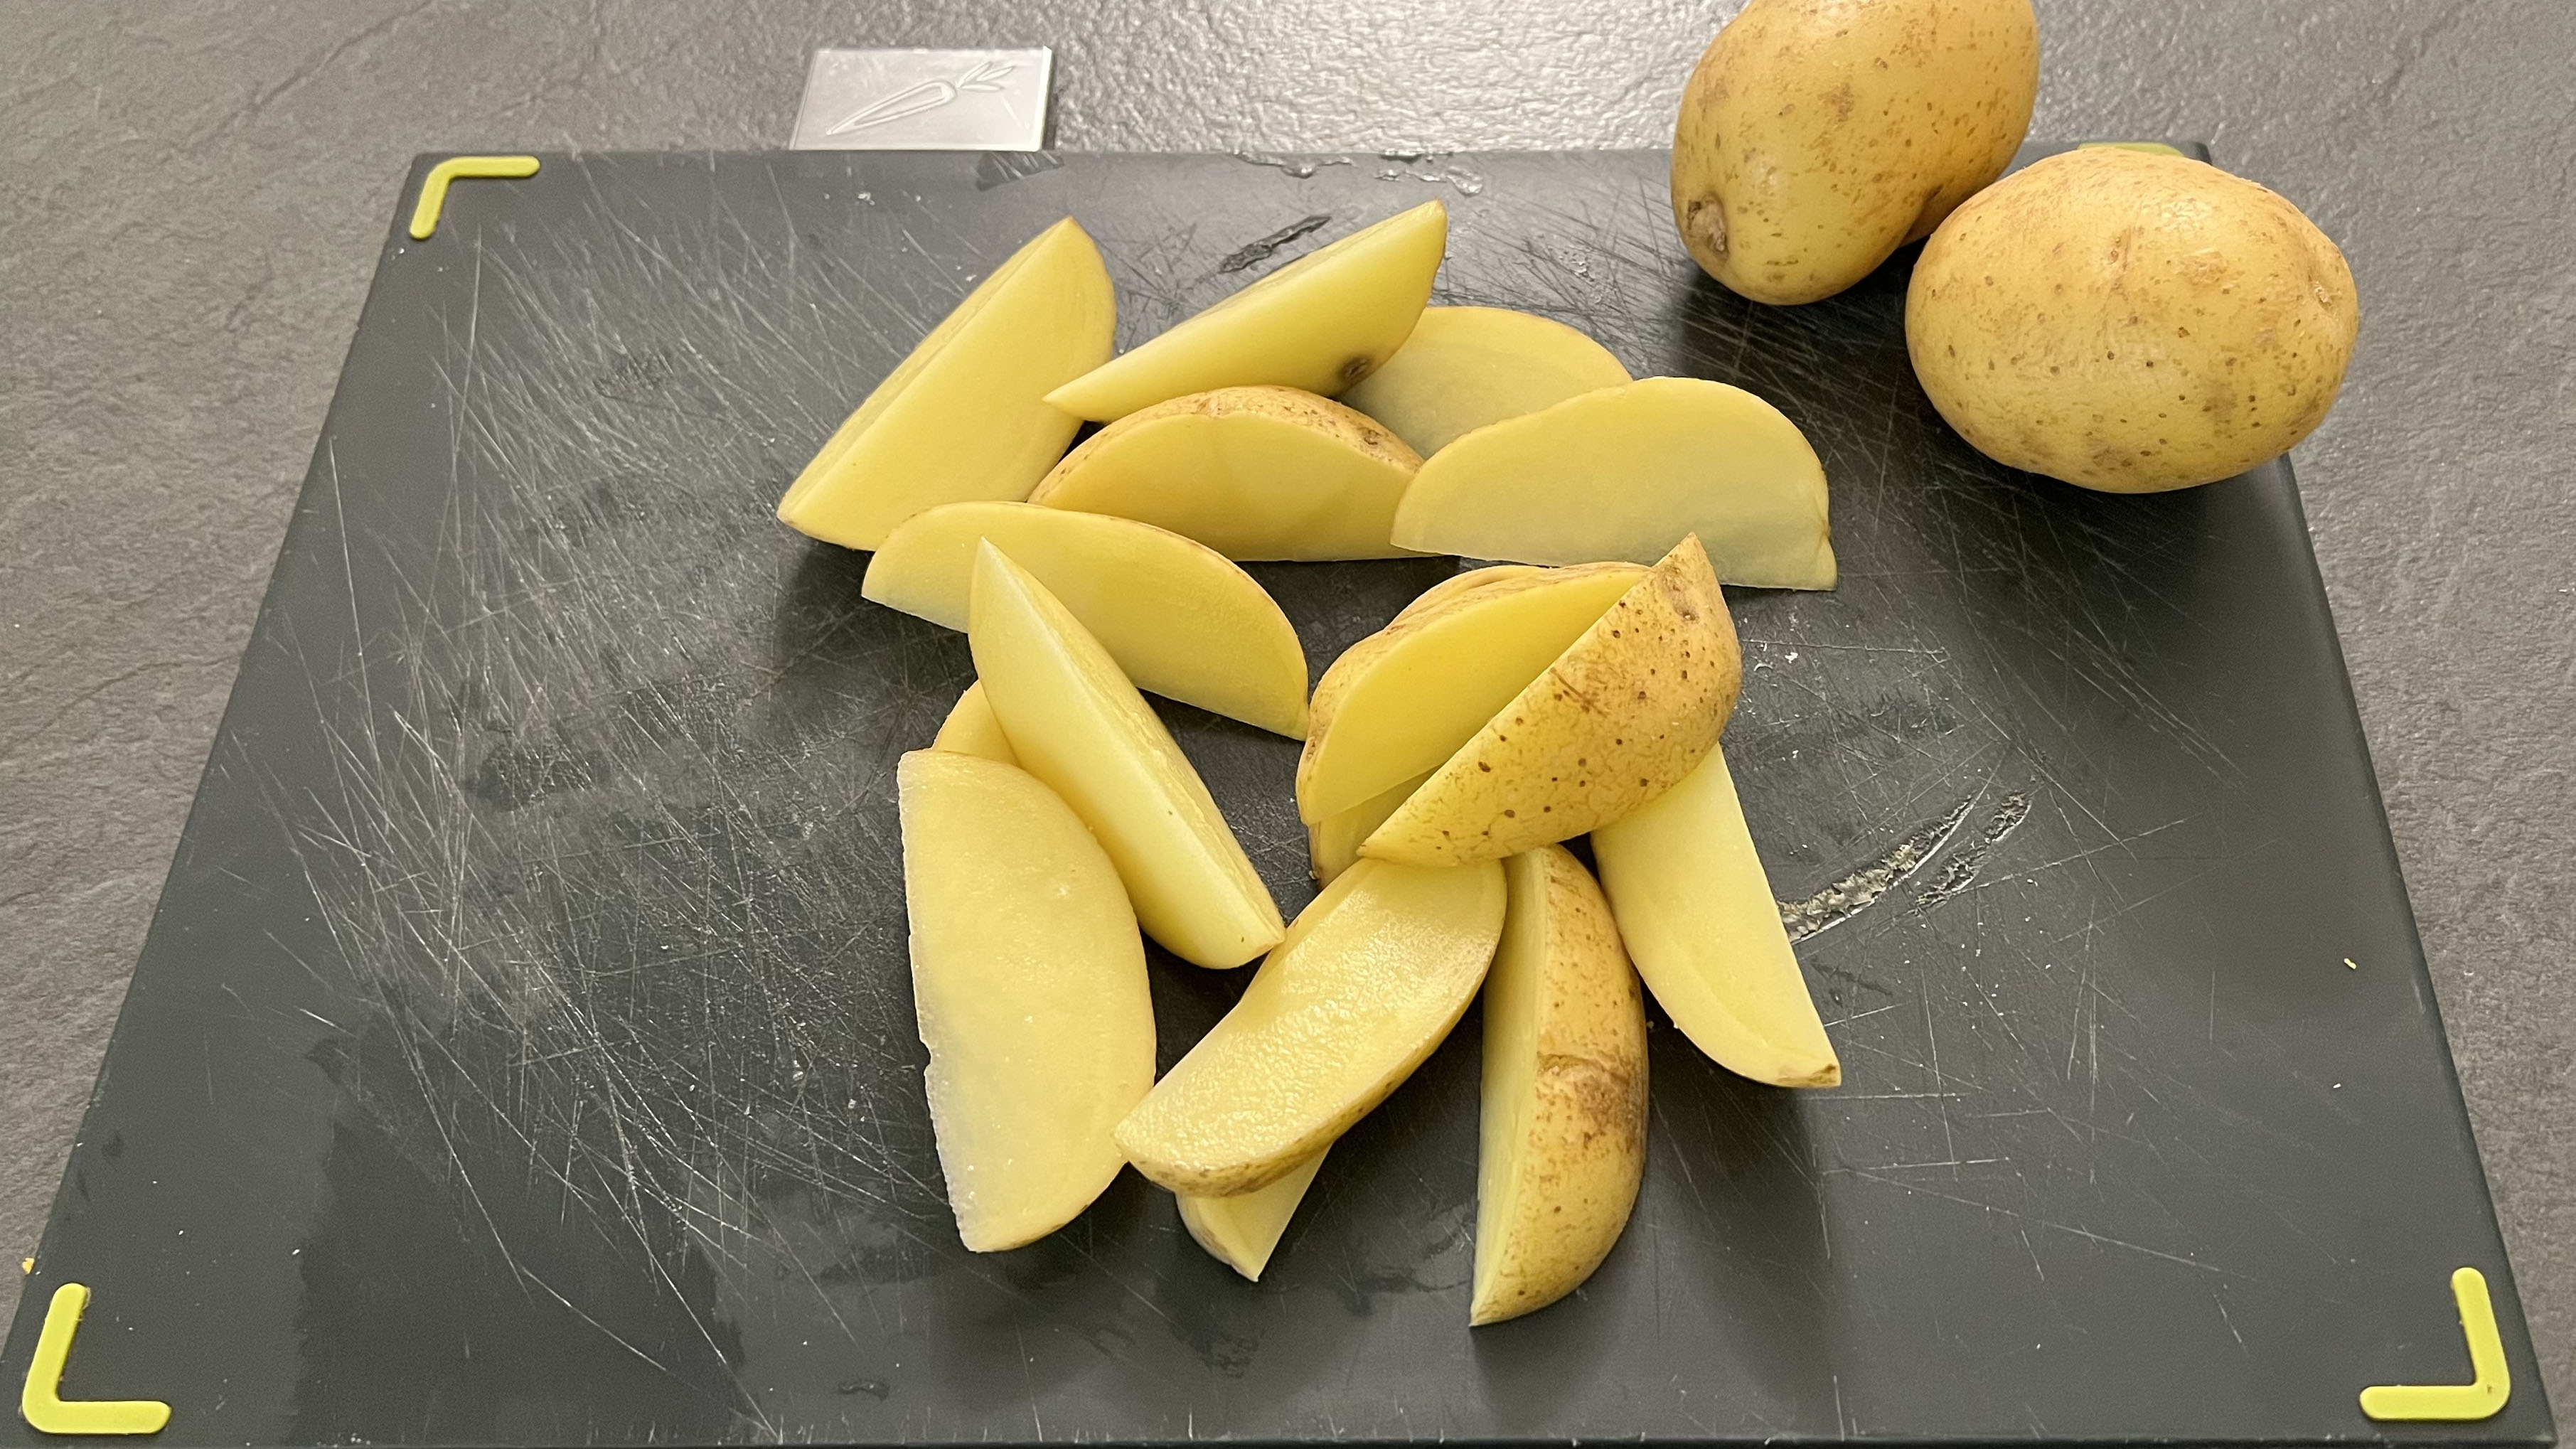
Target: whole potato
[(2130, 322), (1818, 136)]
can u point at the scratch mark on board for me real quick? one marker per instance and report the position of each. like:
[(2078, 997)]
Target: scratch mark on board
[(1859, 890)]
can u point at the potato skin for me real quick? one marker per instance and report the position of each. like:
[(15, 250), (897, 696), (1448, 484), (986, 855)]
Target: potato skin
[(1562, 1129), (1818, 136), (1623, 714), (2130, 322)]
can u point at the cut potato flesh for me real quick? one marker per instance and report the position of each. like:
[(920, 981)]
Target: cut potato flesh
[(1252, 472), (1627, 472), (1563, 1128), (1698, 914), (1080, 726), (1244, 1230), (1179, 618), (1620, 717), (1320, 323), (1029, 982), (1371, 978), (1465, 583), (965, 415), (971, 729), (1465, 367), (1400, 702), (1333, 843)]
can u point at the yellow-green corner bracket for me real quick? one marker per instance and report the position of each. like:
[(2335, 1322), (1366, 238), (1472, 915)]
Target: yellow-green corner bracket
[(433, 191), (2483, 1396), (41, 1401)]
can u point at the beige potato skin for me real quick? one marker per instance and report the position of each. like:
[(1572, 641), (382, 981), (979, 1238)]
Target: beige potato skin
[(2130, 322), (1818, 136), (1563, 1130), (1621, 716)]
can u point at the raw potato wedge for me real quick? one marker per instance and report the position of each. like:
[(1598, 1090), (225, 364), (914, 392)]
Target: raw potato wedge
[(1400, 702), (1627, 472), (1180, 620), (1697, 912), (1617, 720), (964, 416), (1373, 975), (1252, 472), (1078, 725), (1464, 367), (1244, 1230), (1321, 323), (971, 729), (1333, 843), (1029, 981), (1563, 1127), (1465, 583)]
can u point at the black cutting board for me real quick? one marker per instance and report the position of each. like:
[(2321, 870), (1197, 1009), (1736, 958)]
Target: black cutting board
[(523, 1051)]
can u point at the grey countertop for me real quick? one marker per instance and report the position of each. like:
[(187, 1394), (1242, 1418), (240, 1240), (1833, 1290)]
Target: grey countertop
[(194, 195)]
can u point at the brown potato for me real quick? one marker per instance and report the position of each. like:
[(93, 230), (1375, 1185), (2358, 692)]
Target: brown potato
[(1818, 136), (2130, 322)]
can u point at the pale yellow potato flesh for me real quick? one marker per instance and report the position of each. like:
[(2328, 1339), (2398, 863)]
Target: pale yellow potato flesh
[(1244, 1230), (972, 729), (1079, 725), (1400, 702), (1029, 981), (1252, 472), (1181, 620), (1619, 718), (965, 415), (1371, 978), (1333, 843), (1320, 323), (1465, 583), (1818, 136), (1464, 367), (2130, 322), (1626, 473), (1562, 1131), (1697, 913)]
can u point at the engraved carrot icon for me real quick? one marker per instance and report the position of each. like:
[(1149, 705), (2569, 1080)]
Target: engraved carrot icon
[(929, 95)]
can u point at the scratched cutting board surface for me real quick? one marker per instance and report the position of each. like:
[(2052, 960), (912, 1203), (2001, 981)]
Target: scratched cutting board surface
[(523, 1051)]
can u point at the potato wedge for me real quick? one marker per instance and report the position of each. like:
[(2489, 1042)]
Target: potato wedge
[(1464, 367), (1180, 620), (1626, 472), (1617, 720), (1372, 976), (1333, 843), (971, 729), (1698, 915), (964, 416), (1081, 727), (1465, 583), (1401, 701), (1244, 1230), (1029, 981), (1321, 323), (1252, 472), (1562, 1134)]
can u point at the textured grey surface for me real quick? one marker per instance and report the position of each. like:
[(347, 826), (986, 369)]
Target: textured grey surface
[(194, 195)]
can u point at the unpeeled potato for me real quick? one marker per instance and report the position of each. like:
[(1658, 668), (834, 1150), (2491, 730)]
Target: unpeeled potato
[(1818, 136), (2130, 322)]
